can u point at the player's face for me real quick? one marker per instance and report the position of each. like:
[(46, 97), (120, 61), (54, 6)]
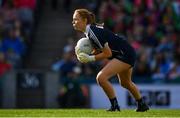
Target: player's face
[(78, 23)]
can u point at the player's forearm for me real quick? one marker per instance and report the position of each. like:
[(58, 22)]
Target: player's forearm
[(95, 52), (100, 56), (103, 55)]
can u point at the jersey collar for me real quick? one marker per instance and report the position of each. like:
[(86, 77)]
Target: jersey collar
[(87, 29)]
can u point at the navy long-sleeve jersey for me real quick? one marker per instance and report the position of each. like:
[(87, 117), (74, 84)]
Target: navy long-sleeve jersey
[(119, 46)]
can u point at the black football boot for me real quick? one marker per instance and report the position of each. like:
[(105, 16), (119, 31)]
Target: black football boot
[(142, 107), (114, 108)]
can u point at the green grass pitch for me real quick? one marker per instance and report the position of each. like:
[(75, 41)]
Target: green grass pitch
[(87, 113)]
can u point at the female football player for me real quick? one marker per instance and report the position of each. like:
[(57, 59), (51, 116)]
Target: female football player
[(116, 48)]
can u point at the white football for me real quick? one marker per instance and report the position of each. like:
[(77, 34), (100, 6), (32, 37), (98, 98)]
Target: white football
[(84, 45)]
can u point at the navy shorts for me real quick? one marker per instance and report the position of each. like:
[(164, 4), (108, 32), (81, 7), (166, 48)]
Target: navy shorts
[(128, 56)]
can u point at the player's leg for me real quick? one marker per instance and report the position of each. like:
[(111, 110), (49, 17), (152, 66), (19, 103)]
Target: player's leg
[(126, 82), (112, 68)]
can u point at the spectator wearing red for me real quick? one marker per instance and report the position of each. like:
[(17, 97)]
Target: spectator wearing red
[(31, 4), (4, 66)]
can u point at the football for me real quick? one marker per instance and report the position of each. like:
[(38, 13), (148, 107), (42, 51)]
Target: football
[(84, 45)]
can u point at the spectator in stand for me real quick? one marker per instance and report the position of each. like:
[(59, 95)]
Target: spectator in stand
[(174, 73), (66, 64), (9, 13), (72, 90), (177, 50), (161, 63), (158, 76), (26, 10), (150, 39), (142, 69), (165, 44), (176, 6), (13, 47), (4, 65)]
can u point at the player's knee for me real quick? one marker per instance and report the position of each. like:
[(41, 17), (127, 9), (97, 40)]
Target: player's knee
[(101, 78)]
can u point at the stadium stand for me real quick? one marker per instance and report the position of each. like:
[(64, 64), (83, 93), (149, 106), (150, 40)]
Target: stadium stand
[(152, 28), (38, 35)]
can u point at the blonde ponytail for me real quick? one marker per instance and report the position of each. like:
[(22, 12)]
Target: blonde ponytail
[(86, 14)]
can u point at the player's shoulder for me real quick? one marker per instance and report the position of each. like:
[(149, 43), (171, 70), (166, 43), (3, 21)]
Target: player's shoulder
[(96, 26), (96, 30), (123, 37)]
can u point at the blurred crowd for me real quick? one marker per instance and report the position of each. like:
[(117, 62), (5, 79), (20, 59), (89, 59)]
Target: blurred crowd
[(152, 28), (17, 25)]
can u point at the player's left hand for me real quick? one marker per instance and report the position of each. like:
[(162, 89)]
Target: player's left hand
[(95, 51), (77, 50), (85, 58)]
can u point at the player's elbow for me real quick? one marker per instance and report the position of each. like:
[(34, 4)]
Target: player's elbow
[(107, 54), (107, 51)]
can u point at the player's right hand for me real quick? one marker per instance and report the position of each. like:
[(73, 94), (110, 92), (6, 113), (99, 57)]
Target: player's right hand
[(85, 58)]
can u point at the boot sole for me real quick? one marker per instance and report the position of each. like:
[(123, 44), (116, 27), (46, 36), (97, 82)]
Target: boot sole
[(143, 110)]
